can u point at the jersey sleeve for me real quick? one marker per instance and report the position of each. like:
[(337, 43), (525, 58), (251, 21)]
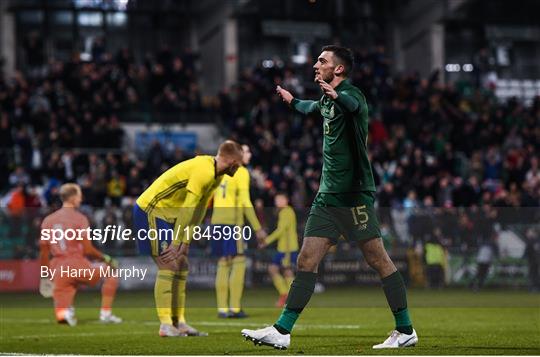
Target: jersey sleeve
[(200, 211), (193, 209), (348, 100), (88, 249), (185, 218), (199, 180), (305, 106), (245, 200), (284, 219)]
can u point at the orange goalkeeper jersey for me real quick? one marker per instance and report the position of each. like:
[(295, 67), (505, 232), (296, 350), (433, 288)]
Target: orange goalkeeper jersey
[(71, 225)]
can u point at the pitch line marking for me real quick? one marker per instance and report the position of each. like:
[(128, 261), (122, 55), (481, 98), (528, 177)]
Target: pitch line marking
[(34, 354), (80, 334), (255, 324), (202, 323)]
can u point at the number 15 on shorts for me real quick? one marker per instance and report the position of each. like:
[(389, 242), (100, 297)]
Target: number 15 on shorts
[(360, 216)]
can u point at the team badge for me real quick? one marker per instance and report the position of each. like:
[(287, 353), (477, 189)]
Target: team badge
[(164, 245), (328, 112)]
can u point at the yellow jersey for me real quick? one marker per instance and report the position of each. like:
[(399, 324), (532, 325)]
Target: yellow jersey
[(285, 233), (182, 193), (232, 201)]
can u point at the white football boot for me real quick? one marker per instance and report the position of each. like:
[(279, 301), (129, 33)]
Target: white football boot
[(69, 316), (166, 330), (107, 317), (187, 330), (268, 336), (398, 340)]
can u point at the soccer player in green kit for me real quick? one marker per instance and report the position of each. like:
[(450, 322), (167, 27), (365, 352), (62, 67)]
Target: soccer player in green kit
[(344, 205)]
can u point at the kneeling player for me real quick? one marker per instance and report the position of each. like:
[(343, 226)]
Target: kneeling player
[(176, 202), (287, 248), (71, 254)]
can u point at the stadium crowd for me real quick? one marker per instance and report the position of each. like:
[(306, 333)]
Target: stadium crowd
[(434, 147), (451, 144)]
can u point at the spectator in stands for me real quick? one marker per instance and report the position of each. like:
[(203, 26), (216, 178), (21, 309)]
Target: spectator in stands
[(19, 177), (116, 188), (488, 249), (16, 200), (532, 254), (436, 261)]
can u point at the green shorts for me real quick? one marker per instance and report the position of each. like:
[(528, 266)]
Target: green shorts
[(351, 215)]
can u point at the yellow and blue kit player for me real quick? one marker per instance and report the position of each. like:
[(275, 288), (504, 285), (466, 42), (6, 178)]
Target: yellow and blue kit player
[(167, 216), (287, 248), (232, 205)]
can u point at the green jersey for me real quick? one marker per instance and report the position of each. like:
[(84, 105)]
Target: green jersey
[(346, 167)]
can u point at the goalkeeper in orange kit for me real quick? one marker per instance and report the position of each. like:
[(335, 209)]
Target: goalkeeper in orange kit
[(72, 254)]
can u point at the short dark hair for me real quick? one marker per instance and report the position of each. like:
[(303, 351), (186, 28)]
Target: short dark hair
[(344, 55)]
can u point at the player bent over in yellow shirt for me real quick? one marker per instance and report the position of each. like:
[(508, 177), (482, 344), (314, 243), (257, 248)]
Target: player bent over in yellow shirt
[(287, 248), (166, 216)]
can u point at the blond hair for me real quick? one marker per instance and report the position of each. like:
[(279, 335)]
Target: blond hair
[(69, 190), (231, 149)]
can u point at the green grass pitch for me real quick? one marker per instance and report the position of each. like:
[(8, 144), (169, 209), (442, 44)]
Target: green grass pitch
[(341, 321)]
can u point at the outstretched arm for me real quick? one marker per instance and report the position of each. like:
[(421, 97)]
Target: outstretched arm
[(302, 106), (305, 106)]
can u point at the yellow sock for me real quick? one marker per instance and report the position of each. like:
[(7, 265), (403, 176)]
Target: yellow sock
[(236, 283), (163, 295), (280, 284), (222, 284), (289, 280), (179, 296)]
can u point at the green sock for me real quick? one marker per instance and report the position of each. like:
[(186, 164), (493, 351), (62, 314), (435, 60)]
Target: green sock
[(286, 321), (299, 295), (396, 295), (403, 321)]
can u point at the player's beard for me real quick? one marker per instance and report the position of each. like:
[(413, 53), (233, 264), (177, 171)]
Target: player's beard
[(329, 78)]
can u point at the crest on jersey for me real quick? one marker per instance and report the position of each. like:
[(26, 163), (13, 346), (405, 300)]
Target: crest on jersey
[(328, 113), (164, 245)]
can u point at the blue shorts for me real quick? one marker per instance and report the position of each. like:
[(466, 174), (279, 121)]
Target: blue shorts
[(285, 260), (153, 234), (223, 247)]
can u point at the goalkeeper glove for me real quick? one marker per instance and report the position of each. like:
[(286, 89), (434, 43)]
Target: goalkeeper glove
[(46, 287), (111, 261)]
